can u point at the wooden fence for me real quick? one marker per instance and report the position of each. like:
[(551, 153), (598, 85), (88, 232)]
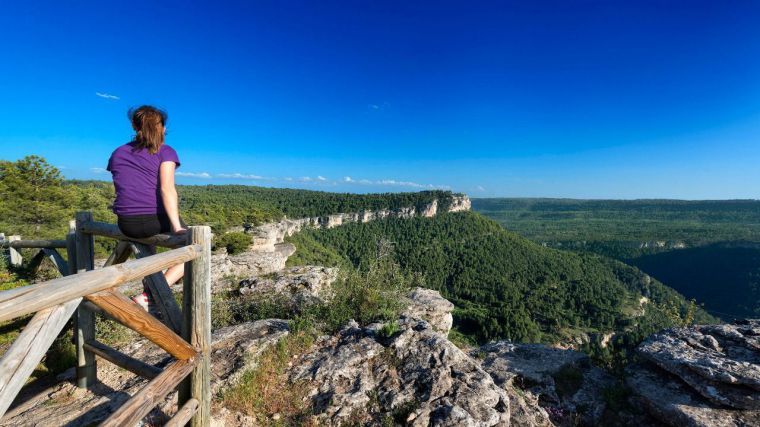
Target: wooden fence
[(84, 292)]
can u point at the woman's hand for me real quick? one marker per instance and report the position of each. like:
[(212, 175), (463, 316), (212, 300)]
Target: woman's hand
[(179, 230)]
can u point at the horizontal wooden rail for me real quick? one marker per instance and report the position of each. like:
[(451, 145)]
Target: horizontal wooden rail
[(26, 244), (149, 396), (32, 298), (122, 360), (112, 230), (184, 414)]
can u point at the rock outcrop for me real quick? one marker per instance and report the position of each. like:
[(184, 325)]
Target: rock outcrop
[(701, 376), (563, 382), (302, 285), (429, 305), (252, 263), (460, 204), (416, 376)]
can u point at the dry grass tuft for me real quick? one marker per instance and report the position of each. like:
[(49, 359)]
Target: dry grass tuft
[(266, 393)]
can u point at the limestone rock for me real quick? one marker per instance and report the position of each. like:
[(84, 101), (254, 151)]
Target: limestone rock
[(720, 362), (303, 284), (429, 305), (248, 264), (460, 204), (430, 210), (234, 349), (416, 374), (563, 380), (674, 403)]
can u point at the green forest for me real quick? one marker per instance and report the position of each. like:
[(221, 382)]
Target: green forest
[(505, 286), (37, 202), (617, 228), (707, 250)]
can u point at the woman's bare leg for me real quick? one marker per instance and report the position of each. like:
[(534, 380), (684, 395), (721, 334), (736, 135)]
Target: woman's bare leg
[(174, 273)]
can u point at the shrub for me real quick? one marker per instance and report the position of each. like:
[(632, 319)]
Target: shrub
[(231, 309), (373, 294), (234, 242), (62, 355), (389, 329)]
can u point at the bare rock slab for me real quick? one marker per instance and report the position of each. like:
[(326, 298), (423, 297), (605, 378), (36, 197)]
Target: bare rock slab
[(720, 362), (416, 374)]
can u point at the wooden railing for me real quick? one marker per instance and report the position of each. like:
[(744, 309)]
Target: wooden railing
[(84, 292)]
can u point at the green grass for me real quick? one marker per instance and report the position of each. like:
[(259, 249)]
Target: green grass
[(265, 391)]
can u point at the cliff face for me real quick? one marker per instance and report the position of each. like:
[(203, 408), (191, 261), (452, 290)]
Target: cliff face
[(270, 252), (266, 236)]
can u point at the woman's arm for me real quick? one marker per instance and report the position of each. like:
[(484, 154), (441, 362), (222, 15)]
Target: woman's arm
[(169, 194)]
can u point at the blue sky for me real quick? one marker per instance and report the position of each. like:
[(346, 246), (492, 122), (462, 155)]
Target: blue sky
[(592, 99)]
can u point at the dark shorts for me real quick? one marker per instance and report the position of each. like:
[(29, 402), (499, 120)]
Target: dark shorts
[(142, 226)]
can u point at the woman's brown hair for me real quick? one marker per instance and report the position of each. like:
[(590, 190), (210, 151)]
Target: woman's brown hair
[(149, 122)]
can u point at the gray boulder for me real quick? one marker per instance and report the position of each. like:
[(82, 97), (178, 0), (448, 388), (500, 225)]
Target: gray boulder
[(720, 362), (669, 400), (429, 305), (416, 377), (303, 284), (562, 381)]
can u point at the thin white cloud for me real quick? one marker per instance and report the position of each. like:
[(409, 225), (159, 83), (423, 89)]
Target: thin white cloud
[(204, 175), (240, 176), (321, 178), (98, 170), (378, 107), (391, 182), (480, 188), (107, 96)]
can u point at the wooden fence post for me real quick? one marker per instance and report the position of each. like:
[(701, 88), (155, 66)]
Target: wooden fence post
[(87, 372), (196, 326), (16, 258)]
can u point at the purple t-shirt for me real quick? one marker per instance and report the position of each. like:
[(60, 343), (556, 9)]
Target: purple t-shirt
[(136, 178)]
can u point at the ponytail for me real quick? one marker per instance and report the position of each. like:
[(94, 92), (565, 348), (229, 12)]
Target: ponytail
[(149, 124)]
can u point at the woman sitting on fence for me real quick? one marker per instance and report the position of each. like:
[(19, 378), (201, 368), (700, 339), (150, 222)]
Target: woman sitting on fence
[(143, 175)]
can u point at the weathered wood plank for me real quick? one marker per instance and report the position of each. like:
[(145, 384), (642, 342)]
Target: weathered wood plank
[(132, 316), (71, 247), (15, 255), (31, 244), (112, 230), (84, 321), (28, 349), (60, 264), (196, 327), (161, 292), (58, 261), (184, 414), (28, 299), (149, 396), (120, 254), (36, 262), (97, 310), (122, 360)]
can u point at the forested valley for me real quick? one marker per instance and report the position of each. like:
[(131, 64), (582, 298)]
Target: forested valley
[(707, 250)]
